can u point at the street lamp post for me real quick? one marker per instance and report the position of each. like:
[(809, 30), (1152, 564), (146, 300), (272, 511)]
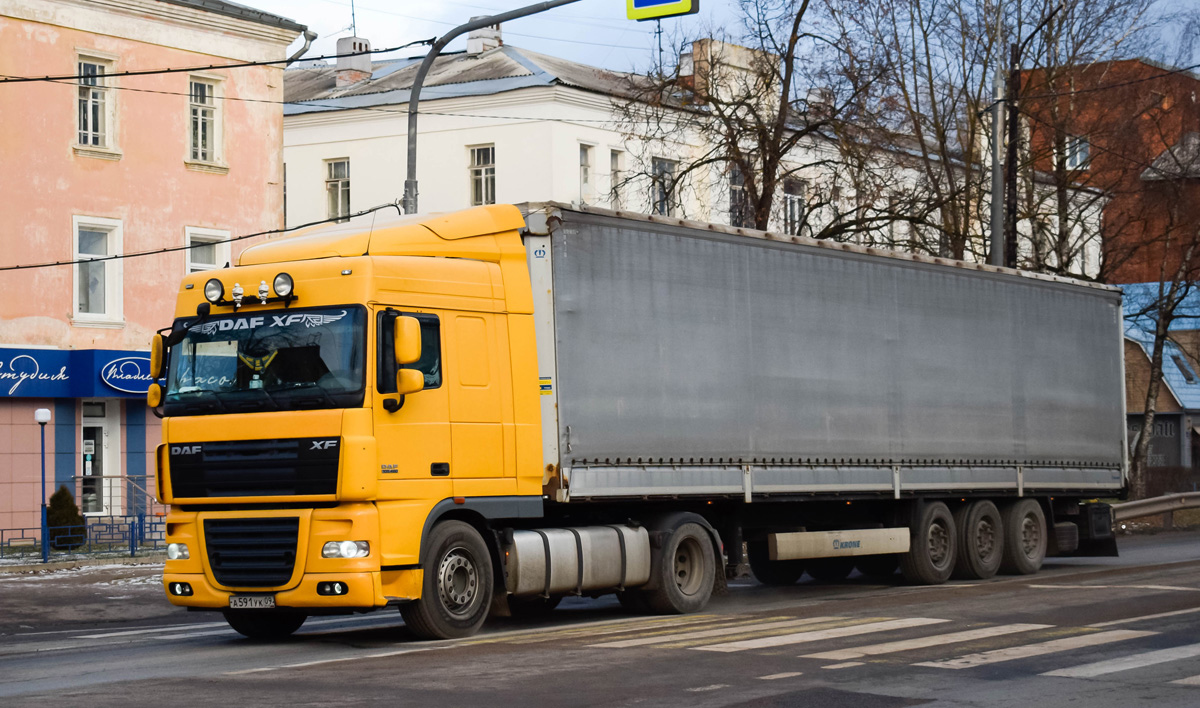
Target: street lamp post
[(42, 416)]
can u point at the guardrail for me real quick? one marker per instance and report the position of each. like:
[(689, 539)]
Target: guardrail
[(1165, 505), (98, 535)]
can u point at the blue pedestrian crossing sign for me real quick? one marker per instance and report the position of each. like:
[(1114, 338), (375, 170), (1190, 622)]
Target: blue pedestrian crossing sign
[(658, 9)]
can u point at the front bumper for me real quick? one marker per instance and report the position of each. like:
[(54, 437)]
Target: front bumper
[(364, 591)]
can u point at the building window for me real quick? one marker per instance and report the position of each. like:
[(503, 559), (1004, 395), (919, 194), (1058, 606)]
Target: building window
[(94, 123), (208, 249), (739, 207), (662, 186), (616, 171), (1077, 152), (337, 188), (483, 175), (585, 174), (204, 137), (97, 277), (793, 206)]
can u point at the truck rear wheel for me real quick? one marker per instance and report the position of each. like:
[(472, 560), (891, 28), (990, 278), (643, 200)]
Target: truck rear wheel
[(1024, 538), (684, 572), (980, 540), (457, 588), (933, 546), (264, 624), (769, 572)]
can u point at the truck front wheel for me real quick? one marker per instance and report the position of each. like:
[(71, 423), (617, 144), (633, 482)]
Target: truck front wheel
[(684, 572), (264, 624), (456, 591), (933, 545)]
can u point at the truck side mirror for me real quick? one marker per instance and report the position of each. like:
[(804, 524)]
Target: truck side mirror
[(157, 349), (409, 381), (407, 341)]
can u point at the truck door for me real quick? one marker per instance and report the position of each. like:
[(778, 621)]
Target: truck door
[(414, 441)]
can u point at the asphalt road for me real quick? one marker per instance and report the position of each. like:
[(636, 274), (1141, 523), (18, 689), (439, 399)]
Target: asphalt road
[(1083, 632)]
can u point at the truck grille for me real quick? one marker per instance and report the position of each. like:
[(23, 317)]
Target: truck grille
[(252, 553), (255, 468)]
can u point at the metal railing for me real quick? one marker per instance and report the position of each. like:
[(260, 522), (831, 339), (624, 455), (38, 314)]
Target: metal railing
[(1166, 506), (97, 535)]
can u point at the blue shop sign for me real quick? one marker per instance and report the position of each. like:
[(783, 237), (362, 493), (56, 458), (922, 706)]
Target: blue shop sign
[(73, 373)]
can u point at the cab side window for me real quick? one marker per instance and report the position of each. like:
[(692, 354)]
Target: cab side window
[(430, 363)]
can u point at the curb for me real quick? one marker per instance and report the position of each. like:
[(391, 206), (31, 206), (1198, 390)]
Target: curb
[(148, 559)]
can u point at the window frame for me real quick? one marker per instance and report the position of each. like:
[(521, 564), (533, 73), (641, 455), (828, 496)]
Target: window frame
[(113, 315), (110, 149), (343, 188), (616, 168), (795, 206), (1071, 153), (217, 142), (587, 173), (385, 351), (662, 192), (739, 218), (218, 237), (483, 173)]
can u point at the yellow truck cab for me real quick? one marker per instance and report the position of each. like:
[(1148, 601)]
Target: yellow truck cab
[(488, 410)]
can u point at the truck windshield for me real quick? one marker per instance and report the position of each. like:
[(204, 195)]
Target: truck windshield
[(266, 361)]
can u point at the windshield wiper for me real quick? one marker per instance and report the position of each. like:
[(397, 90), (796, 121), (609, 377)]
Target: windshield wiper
[(304, 387), (202, 391)]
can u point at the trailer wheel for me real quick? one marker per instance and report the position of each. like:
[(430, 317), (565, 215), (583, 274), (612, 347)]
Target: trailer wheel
[(980, 540), (1024, 538), (881, 567), (930, 558), (456, 592), (684, 572), (264, 624), (830, 570), (769, 572)]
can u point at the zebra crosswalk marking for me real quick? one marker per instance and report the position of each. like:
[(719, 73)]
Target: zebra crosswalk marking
[(924, 642), (1125, 663), (1189, 681), (1028, 650), (813, 636), (707, 633), (656, 628)]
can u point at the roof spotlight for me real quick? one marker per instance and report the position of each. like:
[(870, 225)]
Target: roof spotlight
[(213, 290), (283, 285)]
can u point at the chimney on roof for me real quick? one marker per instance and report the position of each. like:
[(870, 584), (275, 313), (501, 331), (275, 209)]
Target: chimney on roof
[(351, 70), (482, 39)]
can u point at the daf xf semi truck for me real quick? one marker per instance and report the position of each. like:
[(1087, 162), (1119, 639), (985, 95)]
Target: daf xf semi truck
[(492, 409)]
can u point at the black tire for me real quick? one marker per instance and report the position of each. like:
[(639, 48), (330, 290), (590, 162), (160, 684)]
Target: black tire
[(932, 545), (1024, 538), (683, 573), (980, 540), (881, 567), (830, 570), (532, 607), (264, 624), (769, 572), (457, 589)]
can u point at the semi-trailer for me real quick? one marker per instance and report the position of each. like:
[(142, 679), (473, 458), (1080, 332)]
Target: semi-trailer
[(488, 410)]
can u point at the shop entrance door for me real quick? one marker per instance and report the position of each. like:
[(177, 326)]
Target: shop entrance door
[(100, 491)]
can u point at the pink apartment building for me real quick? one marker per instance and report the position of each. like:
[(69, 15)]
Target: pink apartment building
[(102, 164)]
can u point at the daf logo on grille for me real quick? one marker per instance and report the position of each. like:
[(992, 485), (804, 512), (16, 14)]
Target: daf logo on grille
[(185, 450), (323, 444)]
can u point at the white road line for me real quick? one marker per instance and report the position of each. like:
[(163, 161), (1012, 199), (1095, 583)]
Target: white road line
[(1189, 681), (555, 635), (845, 665), (340, 659), (156, 630), (786, 674), (1023, 652), (803, 637), (1125, 663), (1127, 620), (713, 687), (923, 642), (706, 633), (1115, 587)]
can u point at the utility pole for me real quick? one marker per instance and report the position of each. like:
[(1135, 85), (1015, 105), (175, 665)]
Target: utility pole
[(410, 182), (1010, 173), (996, 252)]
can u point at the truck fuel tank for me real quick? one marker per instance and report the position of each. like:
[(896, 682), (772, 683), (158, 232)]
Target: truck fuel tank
[(574, 560)]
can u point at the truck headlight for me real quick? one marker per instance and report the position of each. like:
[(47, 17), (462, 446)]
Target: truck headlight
[(346, 549), (177, 551)]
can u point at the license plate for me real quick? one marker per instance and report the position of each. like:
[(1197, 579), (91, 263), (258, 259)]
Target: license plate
[(252, 602)]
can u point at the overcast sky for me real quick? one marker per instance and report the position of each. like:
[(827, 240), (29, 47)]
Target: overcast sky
[(592, 32)]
